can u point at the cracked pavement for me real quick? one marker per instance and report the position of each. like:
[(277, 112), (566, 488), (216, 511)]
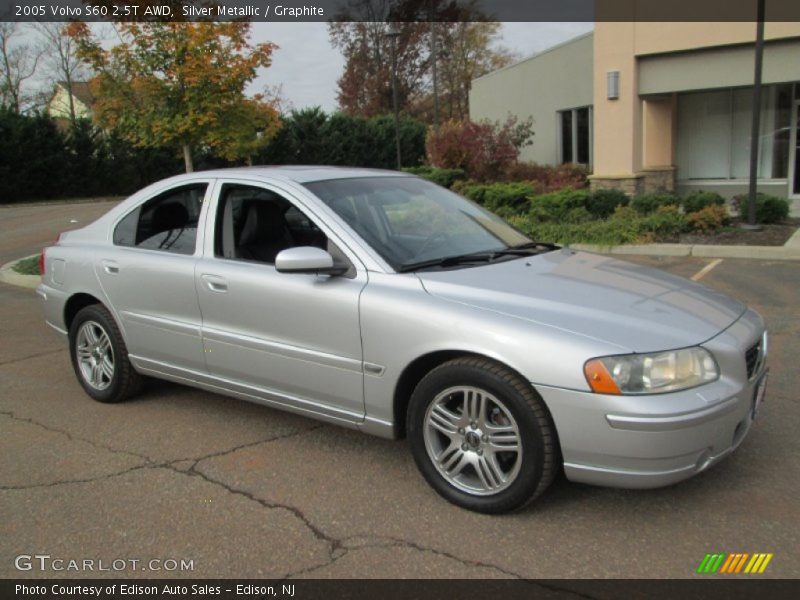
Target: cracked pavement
[(247, 491)]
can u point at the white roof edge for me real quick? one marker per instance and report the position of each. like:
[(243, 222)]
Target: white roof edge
[(571, 40)]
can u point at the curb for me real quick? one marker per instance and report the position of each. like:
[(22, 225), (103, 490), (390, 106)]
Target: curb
[(8, 275), (789, 251)]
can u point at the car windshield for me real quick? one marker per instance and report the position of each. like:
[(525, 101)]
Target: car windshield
[(413, 223)]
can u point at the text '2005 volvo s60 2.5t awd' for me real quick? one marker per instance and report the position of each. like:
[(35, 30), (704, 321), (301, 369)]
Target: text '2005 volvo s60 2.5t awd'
[(379, 301)]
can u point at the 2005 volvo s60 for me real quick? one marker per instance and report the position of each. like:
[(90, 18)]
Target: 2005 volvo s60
[(380, 301)]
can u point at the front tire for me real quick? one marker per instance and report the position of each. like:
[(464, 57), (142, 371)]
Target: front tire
[(100, 357), (481, 436)]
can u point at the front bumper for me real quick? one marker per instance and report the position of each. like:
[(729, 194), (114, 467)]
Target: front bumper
[(655, 440)]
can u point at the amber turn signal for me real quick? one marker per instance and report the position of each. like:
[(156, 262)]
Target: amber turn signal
[(599, 378)]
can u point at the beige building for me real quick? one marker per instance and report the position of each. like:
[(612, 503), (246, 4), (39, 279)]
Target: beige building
[(82, 100), (663, 106)]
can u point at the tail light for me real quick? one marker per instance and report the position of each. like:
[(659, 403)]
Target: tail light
[(42, 255)]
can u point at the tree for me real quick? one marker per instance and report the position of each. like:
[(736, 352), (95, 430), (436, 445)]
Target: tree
[(365, 87), (61, 60), (18, 63), (181, 85), (468, 51)]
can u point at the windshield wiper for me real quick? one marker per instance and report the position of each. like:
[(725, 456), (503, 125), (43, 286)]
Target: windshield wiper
[(447, 261), (526, 249), (544, 246)]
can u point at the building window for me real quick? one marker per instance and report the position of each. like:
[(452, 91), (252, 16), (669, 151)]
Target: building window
[(714, 133), (575, 135)]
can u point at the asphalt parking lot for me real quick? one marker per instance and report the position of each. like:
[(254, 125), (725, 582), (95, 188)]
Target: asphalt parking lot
[(246, 491)]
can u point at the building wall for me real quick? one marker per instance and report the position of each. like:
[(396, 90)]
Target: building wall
[(559, 78), (59, 106), (634, 136)]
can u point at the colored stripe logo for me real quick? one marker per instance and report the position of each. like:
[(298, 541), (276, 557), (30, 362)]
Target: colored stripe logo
[(742, 562)]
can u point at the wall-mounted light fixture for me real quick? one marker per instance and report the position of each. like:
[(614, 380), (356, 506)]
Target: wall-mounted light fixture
[(612, 80)]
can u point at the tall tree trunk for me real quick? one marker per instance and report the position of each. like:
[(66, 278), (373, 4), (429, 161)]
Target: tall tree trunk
[(72, 118), (187, 158)]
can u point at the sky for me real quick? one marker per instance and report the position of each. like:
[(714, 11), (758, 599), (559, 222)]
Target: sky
[(307, 67)]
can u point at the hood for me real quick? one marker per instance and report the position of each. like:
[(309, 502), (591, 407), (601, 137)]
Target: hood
[(637, 308)]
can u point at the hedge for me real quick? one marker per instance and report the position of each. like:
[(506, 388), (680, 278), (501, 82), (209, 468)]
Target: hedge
[(312, 137)]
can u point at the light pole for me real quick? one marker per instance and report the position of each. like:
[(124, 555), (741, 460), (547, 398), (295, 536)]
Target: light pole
[(393, 33), (435, 72), (755, 129)]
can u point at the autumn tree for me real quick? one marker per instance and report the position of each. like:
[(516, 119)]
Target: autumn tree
[(18, 63), (181, 85), (365, 87), (468, 51), (466, 48)]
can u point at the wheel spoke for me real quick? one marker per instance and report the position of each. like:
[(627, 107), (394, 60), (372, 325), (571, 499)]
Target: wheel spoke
[(90, 333), (97, 375), (476, 406), (503, 439), (453, 460), (444, 420), (84, 353), (104, 342), (489, 472), (107, 368)]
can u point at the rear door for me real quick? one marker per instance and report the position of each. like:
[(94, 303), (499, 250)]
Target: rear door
[(288, 337), (147, 272)]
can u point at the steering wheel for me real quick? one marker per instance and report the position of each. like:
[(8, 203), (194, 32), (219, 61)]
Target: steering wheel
[(430, 239)]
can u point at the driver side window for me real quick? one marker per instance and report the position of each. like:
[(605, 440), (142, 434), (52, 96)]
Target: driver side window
[(255, 224)]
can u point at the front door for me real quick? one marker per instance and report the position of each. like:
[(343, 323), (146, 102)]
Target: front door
[(290, 338)]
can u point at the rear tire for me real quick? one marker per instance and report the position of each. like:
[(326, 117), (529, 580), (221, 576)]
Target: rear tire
[(100, 357), (481, 436)]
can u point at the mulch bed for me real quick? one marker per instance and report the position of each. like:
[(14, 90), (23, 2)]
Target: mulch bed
[(733, 235)]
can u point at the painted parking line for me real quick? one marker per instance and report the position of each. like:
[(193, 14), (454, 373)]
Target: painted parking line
[(705, 270)]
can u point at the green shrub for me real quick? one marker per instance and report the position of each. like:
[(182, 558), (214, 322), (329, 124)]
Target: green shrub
[(667, 221), (646, 204), (695, 201), (558, 206), (611, 232), (313, 137), (444, 177), (503, 198), (771, 209), (602, 203), (27, 266)]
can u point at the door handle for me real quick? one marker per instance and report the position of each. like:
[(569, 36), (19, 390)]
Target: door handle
[(110, 267), (215, 283)]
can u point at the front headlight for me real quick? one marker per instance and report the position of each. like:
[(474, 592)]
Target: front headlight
[(651, 373)]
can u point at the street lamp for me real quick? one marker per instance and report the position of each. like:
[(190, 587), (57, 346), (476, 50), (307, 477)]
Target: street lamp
[(755, 128), (393, 33)]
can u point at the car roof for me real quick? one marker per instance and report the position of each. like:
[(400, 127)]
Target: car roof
[(302, 173)]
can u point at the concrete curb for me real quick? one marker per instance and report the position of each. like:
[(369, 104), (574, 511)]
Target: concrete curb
[(8, 275), (789, 251)]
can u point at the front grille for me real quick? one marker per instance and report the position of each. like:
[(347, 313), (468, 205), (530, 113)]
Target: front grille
[(751, 358)]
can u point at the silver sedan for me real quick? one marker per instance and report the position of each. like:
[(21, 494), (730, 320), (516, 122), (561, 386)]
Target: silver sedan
[(379, 301)]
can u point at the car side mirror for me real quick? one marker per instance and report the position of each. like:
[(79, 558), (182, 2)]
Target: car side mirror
[(307, 259)]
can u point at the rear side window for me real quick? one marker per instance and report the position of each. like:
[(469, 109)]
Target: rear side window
[(167, 222)]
